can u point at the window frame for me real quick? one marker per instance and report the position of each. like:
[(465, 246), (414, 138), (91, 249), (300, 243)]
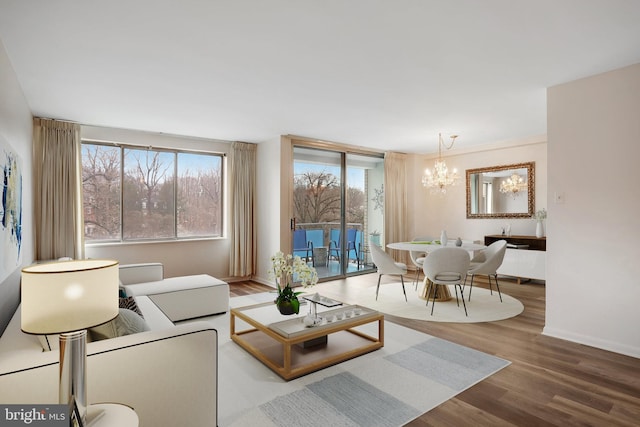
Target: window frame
[(175, 152)]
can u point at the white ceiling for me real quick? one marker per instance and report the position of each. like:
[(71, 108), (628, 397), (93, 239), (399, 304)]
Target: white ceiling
[(385, 74)]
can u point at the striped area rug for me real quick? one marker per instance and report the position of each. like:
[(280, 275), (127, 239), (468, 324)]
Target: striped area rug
[(410, 375)]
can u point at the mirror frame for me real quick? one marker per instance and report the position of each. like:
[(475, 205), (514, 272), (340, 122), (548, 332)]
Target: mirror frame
[(530, 166)]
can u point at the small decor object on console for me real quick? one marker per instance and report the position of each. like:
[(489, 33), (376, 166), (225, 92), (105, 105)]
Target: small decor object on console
[(443, 238), (458, 242), (285, 270), (540, 216)]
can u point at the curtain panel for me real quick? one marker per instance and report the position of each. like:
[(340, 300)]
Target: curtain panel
[(395, 202), (242, 201), (59, 228)]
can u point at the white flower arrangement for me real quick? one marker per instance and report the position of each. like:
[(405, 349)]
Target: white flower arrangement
[(284, 268), (540, 215)]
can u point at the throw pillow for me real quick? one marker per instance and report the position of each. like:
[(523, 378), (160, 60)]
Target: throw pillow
[(126, 323), (130, 304)]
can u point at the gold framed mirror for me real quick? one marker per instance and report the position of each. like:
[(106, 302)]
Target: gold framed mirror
[(506, 191)]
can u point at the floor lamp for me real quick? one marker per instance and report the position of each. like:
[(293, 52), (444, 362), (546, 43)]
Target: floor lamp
[(66, 298)]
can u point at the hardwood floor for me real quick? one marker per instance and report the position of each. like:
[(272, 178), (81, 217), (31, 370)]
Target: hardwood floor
[(550, 382)]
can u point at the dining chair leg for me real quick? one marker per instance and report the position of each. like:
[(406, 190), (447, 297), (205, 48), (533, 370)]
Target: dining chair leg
[(495, 277), (433, 303), (417, 278), (434, 287), (378, 288), (456, 289), (463, 304), (471, 286), (403, 290)]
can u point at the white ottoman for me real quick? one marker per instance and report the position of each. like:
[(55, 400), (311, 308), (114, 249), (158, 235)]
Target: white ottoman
[(185, 297)]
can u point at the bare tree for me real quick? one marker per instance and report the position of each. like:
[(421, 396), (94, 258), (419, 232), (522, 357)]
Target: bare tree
[(148, 194), (101, 191), (148, 188), (355, 205), (316, 199), (199, 203)]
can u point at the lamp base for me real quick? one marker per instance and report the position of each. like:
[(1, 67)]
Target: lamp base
[(73, 384)]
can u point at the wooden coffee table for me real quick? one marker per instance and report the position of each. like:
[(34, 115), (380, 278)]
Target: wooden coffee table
[(291, 349)]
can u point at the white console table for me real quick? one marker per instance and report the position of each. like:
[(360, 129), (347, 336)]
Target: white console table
[(524, 263)]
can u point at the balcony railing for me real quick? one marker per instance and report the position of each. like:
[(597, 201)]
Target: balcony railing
[(326, 241)]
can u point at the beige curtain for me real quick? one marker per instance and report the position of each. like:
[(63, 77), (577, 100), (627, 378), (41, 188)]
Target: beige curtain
[(58, 190), (395, 202), (242, 200)]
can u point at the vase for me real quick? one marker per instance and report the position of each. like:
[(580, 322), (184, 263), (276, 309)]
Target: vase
[(539, 229), (288, 307), (443, 238)]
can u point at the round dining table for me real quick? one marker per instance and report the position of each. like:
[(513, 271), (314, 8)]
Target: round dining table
[(438, 292)]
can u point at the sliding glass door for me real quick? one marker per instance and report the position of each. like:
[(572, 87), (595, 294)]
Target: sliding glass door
[(337, 208)]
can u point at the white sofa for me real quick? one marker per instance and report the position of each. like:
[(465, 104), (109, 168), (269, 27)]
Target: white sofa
[(180, 298), (168, 374)]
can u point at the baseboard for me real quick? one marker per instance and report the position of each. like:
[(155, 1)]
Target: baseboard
[(263, 281), (592, 342)]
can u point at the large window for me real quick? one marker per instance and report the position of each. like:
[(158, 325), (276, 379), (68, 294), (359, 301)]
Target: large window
[(332, 191), (132, 193)]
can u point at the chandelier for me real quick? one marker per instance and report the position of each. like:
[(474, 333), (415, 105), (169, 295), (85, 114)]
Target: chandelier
[(513, 186), (440, 178)]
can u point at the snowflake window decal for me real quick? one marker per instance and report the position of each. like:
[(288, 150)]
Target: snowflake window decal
[(378, 199)]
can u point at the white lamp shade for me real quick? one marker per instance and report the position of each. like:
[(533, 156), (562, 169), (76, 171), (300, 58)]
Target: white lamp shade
[(68, 296)]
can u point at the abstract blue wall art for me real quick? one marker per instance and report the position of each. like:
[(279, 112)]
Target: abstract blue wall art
[(10, 210)]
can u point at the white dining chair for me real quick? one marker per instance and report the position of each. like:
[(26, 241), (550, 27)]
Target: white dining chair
[(417, 258), (387, 265), (487, 263), (446, 266)]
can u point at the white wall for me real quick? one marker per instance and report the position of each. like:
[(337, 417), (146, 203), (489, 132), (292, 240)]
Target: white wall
[(268, 206), (430, 213), (16, 129), (206, 256), (594, 148)]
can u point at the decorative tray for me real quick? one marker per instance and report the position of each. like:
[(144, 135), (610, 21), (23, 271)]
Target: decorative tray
[(324, 301)]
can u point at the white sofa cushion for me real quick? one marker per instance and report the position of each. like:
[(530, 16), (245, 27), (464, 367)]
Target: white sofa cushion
[(138, 273), (186, 297), (155, 318), (172, 284), (127, 322)]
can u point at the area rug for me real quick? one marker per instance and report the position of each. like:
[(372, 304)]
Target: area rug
[(410, 375), (483, 306)]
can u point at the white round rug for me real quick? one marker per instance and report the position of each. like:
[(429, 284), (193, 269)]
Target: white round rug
[(483, 306)]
